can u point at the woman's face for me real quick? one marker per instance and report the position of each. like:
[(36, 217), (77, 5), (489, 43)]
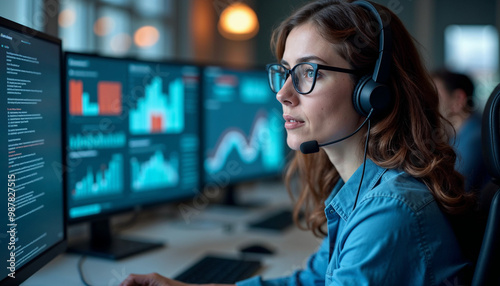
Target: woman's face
[(327, 112)]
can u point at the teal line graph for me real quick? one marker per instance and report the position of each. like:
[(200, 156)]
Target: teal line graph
[(158, 112), (264, 140), (108, 180), (156, 172)]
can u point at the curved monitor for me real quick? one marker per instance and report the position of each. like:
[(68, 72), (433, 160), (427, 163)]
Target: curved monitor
[(33, 230), (132, 135)]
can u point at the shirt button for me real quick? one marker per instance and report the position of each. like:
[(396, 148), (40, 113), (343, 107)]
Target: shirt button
[(331, 211)]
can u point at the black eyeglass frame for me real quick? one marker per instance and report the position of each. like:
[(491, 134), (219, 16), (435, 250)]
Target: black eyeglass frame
[(315, 66)]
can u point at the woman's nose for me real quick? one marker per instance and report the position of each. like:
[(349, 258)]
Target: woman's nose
[(287, 94)]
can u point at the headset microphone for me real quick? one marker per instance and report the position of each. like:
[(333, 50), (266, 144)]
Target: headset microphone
[(310, 147)]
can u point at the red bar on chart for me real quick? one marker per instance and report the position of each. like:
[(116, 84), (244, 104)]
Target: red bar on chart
[(75, 97), (109, 96), (156, 124)]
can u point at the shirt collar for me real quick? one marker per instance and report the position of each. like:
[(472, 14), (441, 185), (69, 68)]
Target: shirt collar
[(343, 194)]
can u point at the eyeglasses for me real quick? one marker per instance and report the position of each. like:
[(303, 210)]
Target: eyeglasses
[(303, 75)]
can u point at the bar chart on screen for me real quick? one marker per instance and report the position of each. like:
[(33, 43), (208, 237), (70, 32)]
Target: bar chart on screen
[(156, 172), (159, 111), (109, 99), (102, 179), (97, 140)]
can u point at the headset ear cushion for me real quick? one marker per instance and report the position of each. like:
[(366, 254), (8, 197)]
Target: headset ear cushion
[(359, 96), (369, 94)]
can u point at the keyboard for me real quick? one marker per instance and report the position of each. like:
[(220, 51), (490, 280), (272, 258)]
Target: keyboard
[(214, 269), (276, 221)]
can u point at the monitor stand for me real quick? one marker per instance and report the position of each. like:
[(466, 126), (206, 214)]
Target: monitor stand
[(230, 198), (104, 245)]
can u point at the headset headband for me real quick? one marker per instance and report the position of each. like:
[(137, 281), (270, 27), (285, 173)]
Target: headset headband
[(382, 66)]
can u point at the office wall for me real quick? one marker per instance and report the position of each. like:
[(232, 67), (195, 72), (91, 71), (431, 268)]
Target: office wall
[(196, 37), (270, 14), (26, 12), (207, 45), (447, 12), (426, 20)]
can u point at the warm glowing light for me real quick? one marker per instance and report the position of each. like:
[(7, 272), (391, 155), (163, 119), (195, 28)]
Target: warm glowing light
[(238, 22), (103, 26), (120, 43), (146, 36), (66, 18)]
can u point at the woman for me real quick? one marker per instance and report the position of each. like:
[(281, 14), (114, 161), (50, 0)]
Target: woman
[(385, 216)]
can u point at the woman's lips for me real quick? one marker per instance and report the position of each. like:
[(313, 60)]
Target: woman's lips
[(292, 122)]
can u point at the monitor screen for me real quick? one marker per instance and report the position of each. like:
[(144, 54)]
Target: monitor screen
[(33, 229), (244, 138), (132, 134)]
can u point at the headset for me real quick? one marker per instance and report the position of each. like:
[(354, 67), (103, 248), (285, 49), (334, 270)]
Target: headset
[(371, 91), (371, 95)]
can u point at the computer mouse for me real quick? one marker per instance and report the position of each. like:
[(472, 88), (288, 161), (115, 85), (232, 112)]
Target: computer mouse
[(256, 248)]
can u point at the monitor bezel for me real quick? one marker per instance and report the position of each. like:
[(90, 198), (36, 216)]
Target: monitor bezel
[(142, 206), (34, 265)]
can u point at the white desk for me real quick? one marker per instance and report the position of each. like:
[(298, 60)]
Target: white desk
[(212, 230)]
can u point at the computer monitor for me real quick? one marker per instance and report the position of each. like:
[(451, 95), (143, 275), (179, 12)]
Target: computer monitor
[(33, 229), (132, 141), (244, 138)]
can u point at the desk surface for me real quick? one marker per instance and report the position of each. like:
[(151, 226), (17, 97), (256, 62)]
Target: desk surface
[(188, 237)]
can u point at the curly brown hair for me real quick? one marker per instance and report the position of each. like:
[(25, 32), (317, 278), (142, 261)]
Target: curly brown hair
[(411, 137)]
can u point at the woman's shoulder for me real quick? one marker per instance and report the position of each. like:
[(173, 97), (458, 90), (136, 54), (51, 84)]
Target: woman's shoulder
[(398, 187)]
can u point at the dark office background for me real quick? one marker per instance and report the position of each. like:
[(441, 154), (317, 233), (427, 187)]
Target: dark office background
[(187, 29)]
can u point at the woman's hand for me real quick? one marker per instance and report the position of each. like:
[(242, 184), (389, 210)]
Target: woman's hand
[(155, 279), (152, 279)]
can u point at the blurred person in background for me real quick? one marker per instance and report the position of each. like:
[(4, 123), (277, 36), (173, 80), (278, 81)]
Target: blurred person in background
[(456, 104)]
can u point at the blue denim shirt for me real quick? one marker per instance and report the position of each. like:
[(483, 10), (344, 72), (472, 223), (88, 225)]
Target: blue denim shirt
[(396, 235)]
